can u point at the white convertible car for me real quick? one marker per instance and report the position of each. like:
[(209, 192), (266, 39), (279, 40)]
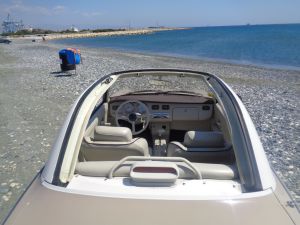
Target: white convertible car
[(151, 147)]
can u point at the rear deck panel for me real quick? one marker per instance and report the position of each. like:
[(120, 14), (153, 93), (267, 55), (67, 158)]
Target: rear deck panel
[(41, 205)]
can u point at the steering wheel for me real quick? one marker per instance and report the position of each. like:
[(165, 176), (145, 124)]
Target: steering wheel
[(135, 113)]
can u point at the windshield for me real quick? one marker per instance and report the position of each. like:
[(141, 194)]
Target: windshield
[(160, 84)]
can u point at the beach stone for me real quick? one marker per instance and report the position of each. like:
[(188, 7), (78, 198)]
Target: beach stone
[(12, 185), (5, 198)]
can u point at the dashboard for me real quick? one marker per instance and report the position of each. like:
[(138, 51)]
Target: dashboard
[(161, 113), (167, 112)]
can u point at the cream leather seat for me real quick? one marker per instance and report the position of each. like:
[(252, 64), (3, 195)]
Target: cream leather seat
[(202, 146), (112, 143)]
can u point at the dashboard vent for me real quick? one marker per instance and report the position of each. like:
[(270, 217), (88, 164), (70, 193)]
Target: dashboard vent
[(155, 107), (165, 107)]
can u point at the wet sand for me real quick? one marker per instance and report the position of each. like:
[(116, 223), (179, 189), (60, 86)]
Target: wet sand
[(35, 98)]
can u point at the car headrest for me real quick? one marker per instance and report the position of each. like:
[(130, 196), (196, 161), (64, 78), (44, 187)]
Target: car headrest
[(208, 139), (106, 133)]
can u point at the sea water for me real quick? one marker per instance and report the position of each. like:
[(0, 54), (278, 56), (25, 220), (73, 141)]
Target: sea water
[(269, 45)]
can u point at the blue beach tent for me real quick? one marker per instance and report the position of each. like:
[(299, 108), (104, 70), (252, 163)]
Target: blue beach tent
[(69, 57)]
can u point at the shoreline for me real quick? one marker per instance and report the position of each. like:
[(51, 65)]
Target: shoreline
[(96, 34), (187, 57), (31, 88)]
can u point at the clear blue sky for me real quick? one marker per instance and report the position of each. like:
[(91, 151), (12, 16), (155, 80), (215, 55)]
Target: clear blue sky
[(60, 14)]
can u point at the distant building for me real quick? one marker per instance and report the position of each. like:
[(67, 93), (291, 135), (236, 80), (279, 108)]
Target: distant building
[(10, 26), (74, 29), (30, 29)]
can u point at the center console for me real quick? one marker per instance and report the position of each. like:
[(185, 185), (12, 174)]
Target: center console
[(160, 135)]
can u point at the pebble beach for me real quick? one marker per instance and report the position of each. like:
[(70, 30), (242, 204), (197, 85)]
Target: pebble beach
[(35, 99)]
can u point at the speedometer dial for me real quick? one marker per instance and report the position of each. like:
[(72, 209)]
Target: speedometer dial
[(129, 108), (141, 109)]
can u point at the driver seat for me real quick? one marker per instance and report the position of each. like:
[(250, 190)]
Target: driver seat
[(107, 143)]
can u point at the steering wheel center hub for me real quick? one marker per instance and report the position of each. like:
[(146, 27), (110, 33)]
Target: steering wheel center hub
[(132, 117)]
